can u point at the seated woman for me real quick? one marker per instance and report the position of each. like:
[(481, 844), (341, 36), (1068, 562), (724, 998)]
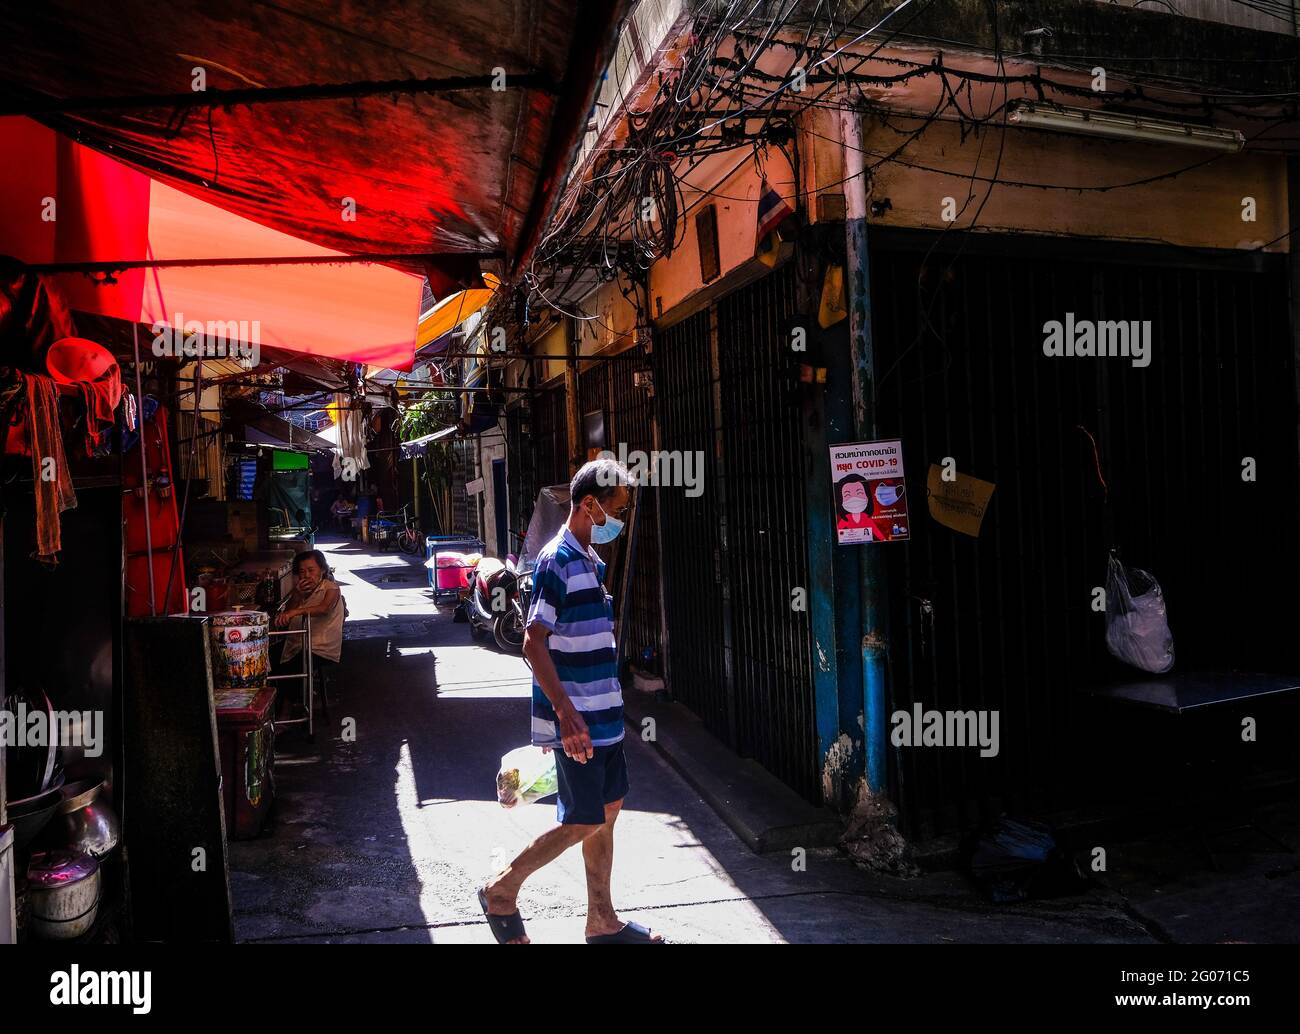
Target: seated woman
[(342, 510), (316, 596)]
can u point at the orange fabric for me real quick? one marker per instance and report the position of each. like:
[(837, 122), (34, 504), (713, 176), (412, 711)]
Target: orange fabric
[(53, 487)]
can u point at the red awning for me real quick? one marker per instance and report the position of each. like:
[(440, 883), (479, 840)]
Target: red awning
[(394, 106), (66, 203)]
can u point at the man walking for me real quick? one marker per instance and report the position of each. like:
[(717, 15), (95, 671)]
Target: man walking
[(577, 708)]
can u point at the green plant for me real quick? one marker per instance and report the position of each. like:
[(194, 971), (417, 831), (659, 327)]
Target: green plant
[(425, 416)]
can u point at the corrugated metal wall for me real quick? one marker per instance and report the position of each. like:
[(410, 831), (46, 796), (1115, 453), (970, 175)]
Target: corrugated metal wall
[(1012, 626)]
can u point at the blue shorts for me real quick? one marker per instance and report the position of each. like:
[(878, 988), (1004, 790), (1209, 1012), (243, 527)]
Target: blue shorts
[(585, 789)]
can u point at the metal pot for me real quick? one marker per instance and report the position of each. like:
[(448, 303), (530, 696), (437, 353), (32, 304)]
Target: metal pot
[(62, 894), (86, 822)]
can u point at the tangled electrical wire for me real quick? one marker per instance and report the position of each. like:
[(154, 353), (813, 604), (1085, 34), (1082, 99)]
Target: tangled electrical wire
[(627, 212), (615, 220)]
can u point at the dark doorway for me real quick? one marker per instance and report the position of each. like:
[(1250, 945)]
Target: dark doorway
[(1005, 621), (500, 504)]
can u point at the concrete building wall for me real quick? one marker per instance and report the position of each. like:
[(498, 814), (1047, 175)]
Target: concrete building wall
[(491, 446), (553, 342), (734, 188), (1280, 18), (1200, 207), (614, 327)]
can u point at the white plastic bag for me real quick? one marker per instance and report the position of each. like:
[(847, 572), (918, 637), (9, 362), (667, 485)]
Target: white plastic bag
[(526, 774), (1137, 631)]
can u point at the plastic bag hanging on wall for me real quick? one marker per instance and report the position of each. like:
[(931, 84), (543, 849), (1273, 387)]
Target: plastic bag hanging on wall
[(1137, 630)]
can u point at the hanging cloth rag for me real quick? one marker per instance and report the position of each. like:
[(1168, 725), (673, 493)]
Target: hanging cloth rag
[(51, 481), (352, 441), (101, 397)]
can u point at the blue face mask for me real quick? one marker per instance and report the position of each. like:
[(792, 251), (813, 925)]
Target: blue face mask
[(607, 532)]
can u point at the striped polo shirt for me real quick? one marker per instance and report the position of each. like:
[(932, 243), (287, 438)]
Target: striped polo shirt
[(569, 600)]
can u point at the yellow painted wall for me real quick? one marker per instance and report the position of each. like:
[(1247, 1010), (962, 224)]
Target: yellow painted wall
[(553, 342), (614, 325), (1200, 207), (675, 278)]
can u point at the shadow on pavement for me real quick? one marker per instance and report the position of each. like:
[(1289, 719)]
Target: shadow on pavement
[(385, 837)]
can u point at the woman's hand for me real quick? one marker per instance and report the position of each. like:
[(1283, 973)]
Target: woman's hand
[(283, 618)]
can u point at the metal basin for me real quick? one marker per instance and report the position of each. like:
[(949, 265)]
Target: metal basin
[(32, 814)]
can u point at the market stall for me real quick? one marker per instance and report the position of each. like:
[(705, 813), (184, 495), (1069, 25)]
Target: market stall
[(167, 227), (70, 519)]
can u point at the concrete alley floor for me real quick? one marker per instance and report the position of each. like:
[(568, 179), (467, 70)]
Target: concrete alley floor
[(385, 839)]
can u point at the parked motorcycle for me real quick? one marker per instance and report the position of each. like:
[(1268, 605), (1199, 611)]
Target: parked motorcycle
[(497, 603), (503, 615)]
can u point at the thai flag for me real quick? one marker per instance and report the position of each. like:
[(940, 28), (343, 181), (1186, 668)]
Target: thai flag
[(772, 211)]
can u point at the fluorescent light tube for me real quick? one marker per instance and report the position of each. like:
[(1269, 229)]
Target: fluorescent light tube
[(1114, 126)]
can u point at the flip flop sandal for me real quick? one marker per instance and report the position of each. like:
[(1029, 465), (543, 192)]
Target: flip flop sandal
[(504, 928), (632, 933)]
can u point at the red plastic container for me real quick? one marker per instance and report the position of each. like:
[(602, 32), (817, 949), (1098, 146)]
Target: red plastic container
[(246, 742)]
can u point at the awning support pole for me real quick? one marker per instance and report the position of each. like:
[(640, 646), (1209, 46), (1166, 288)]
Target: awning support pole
[(111, 266), (415, 486), (219, 98), (144, 471)]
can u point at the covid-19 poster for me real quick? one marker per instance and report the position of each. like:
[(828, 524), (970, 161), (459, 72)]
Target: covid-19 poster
[(870, 493)]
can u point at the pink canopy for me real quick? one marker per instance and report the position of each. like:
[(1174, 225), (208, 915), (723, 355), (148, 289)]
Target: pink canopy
[(61, 202)]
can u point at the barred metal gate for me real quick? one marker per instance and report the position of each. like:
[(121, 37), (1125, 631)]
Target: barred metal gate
[(522, 470), (765, 533), (551, 436), (1004, 622), (631, 423), (740, 652), (692, 534), (608, 387)]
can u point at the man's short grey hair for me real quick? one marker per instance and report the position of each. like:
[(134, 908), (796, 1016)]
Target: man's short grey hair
[(599, 477)]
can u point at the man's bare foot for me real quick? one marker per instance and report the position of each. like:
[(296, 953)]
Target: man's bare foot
[(501, 902)]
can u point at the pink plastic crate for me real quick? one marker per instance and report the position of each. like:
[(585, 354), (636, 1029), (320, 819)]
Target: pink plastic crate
[(454, 569)]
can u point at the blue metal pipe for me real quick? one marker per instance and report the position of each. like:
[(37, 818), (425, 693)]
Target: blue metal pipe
[(857, 278)]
